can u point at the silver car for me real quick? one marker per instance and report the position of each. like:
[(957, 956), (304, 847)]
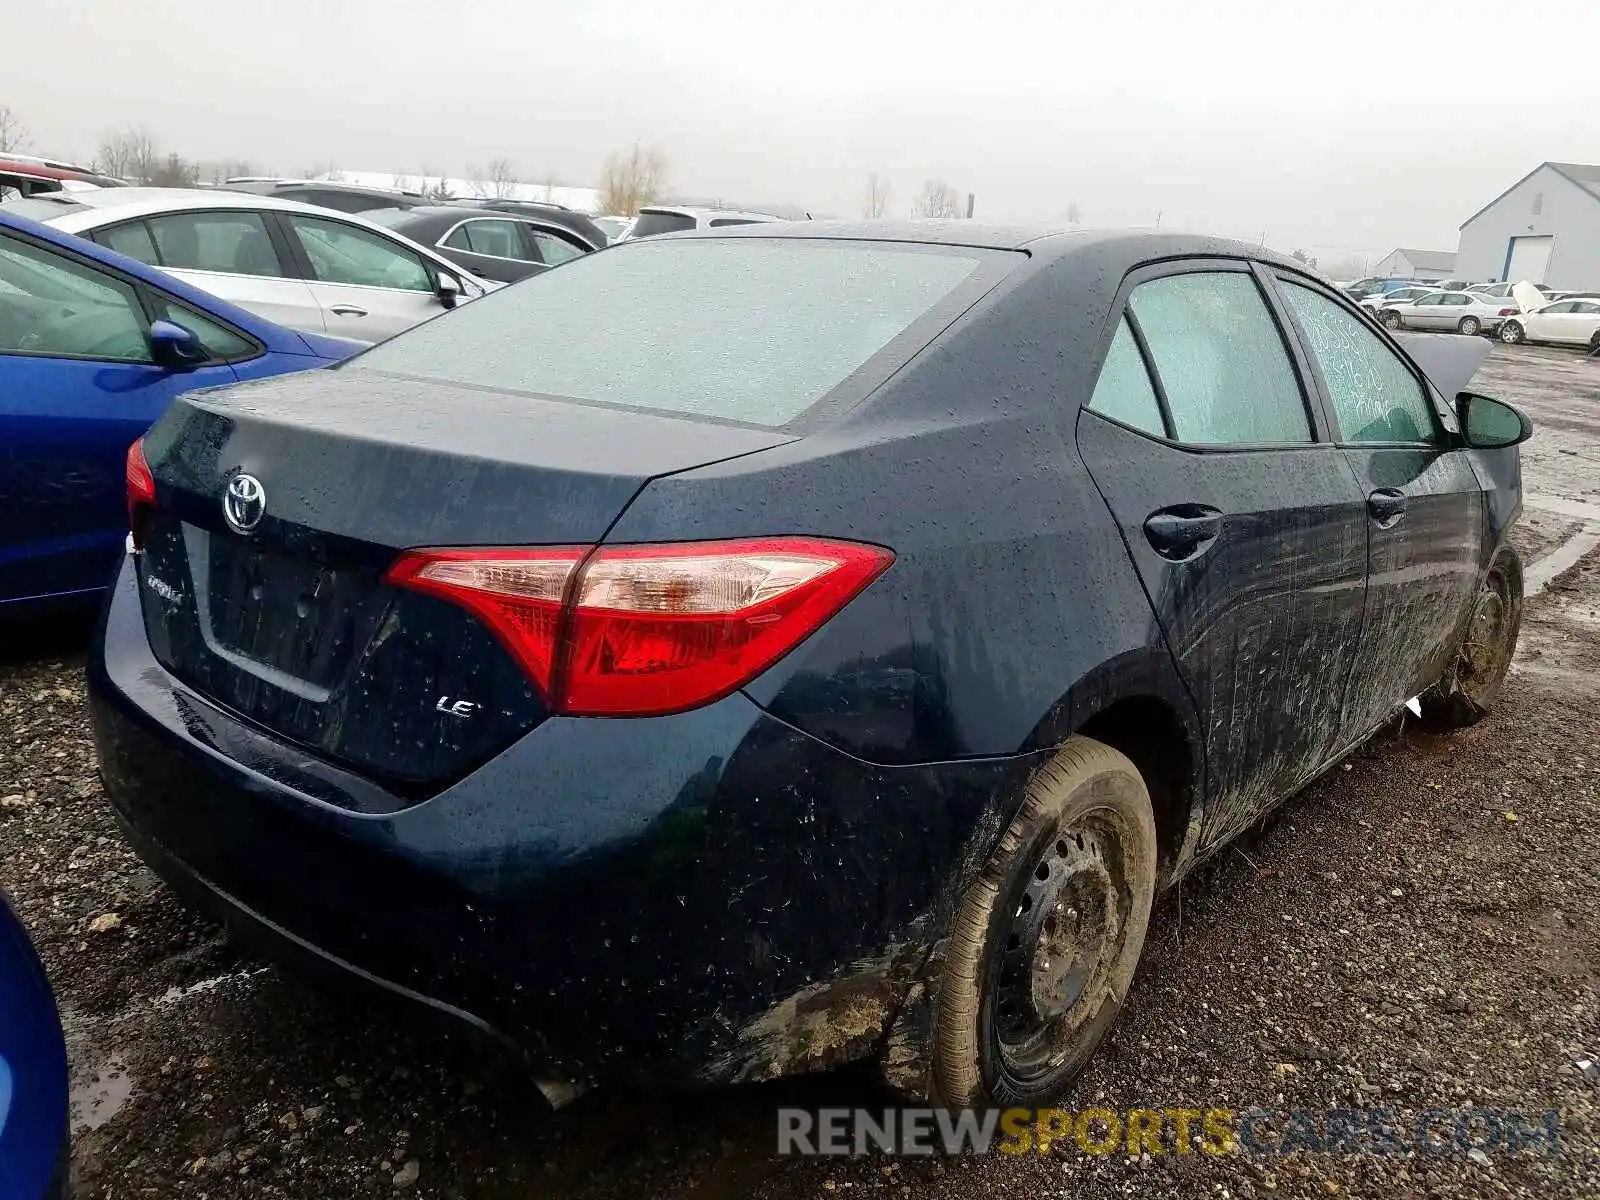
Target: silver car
[(1462, 312), (298, 265)]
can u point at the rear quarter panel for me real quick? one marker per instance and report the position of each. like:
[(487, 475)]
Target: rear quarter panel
[(1012, 611)]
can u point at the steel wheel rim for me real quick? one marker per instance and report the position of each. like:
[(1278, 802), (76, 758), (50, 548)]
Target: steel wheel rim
[(1483, 651), (1067, 928)]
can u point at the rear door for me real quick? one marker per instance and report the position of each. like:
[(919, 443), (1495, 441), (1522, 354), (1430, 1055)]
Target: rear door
[(229, 253), (370, 287), (80, 388), (1247, 528), (1426, 516)]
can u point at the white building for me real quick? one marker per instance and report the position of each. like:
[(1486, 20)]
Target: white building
[(1544, 228), (1426, 265)]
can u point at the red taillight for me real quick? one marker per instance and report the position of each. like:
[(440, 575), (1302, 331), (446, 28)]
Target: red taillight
[(1508, 312), (141, 487), (646, 630)]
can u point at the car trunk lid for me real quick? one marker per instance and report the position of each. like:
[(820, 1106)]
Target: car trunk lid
[(290, 623)]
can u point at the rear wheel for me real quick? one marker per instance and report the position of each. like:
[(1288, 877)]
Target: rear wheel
[(1469, 687), (1594, 342), (1390, 319), (1511, 333), (1469, 326), (1045, 941)]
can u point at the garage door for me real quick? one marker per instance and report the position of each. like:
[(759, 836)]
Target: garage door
[(1530, 258)]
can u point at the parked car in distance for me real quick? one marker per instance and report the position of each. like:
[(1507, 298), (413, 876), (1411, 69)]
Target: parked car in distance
[(63, 172), (730, 681), (1572, 322), (578, 223), (1403, 295), (33, 1072), (305, 267), (1449, 285), (494, 244), (1460, 312), (93, 347), (613, 226), (1503, 291), (658, 219), (341, 197), (1377, 285)]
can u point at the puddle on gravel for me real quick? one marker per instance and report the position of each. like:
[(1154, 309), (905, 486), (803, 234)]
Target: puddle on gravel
[(102, 1096)]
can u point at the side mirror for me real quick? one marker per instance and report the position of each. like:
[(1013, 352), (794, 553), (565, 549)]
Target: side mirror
[(448, 290), (175, 347), (1490, 424)]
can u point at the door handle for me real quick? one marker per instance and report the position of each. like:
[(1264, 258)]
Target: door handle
[(1387, 506), (347, 310), (1182, 531)]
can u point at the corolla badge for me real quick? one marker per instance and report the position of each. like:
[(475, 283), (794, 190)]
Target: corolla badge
[(244, 503)]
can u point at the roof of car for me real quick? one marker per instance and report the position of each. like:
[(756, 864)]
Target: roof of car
[(697, 211), (436, 216)]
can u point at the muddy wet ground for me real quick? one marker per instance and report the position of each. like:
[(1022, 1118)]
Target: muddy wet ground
[(1419, 930)]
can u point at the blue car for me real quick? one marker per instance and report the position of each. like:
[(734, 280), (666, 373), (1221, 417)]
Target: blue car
[(740, 652), (93, 347), (33, 1072)]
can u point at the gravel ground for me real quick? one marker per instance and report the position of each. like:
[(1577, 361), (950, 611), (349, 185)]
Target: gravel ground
[(1419, 930)]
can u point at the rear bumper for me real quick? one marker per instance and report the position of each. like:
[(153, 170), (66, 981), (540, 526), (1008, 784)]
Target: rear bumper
[(623, 897)]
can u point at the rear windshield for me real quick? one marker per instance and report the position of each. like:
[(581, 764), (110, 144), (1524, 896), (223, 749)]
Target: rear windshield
[(651, 223), (753, 330), (41, 209)]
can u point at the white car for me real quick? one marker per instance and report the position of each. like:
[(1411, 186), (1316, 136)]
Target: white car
[(672, 218), (301, 266), (1572, 322), (1403, 295), (1471, 313)]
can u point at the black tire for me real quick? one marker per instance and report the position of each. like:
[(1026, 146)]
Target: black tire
[(1511, 333), (1469, 687), (1073, 876), (1469, 326), (1390, 319), (1594, 342)]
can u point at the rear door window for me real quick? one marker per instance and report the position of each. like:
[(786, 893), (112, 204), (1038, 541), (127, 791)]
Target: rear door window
[(749, 330), (233, 243), (552, 248), (132, 239), (492, 236), (1221, 360)]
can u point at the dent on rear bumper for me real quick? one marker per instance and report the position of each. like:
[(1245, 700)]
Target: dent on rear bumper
[(713, 895)]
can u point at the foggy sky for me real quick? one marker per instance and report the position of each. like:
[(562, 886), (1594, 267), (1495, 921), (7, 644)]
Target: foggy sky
[(1349, 127)]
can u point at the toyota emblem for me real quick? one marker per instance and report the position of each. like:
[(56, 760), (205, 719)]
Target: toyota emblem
[(244, 503)]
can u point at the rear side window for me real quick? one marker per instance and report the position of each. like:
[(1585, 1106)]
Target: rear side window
[(1123, 391), (493, 237), (235, 243), (651, 223), (132, 239), (1375, 395), (1221, 360), (753, 330)]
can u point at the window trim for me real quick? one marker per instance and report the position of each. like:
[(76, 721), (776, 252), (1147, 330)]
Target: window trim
[(1445, 439), (1145, 272), (530, 226)]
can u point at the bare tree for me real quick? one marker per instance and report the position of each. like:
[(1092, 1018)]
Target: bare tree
[(1074, 217), (174, 172), (502, 179), (435, 186), (402, 182), (631, 179), (877, 201), (1305, 257), (321, 170), (937, 199), (13, 136), (131, 154)]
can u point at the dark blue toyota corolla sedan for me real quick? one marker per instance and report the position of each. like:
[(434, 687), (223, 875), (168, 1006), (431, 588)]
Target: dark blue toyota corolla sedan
[(732, 655)]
